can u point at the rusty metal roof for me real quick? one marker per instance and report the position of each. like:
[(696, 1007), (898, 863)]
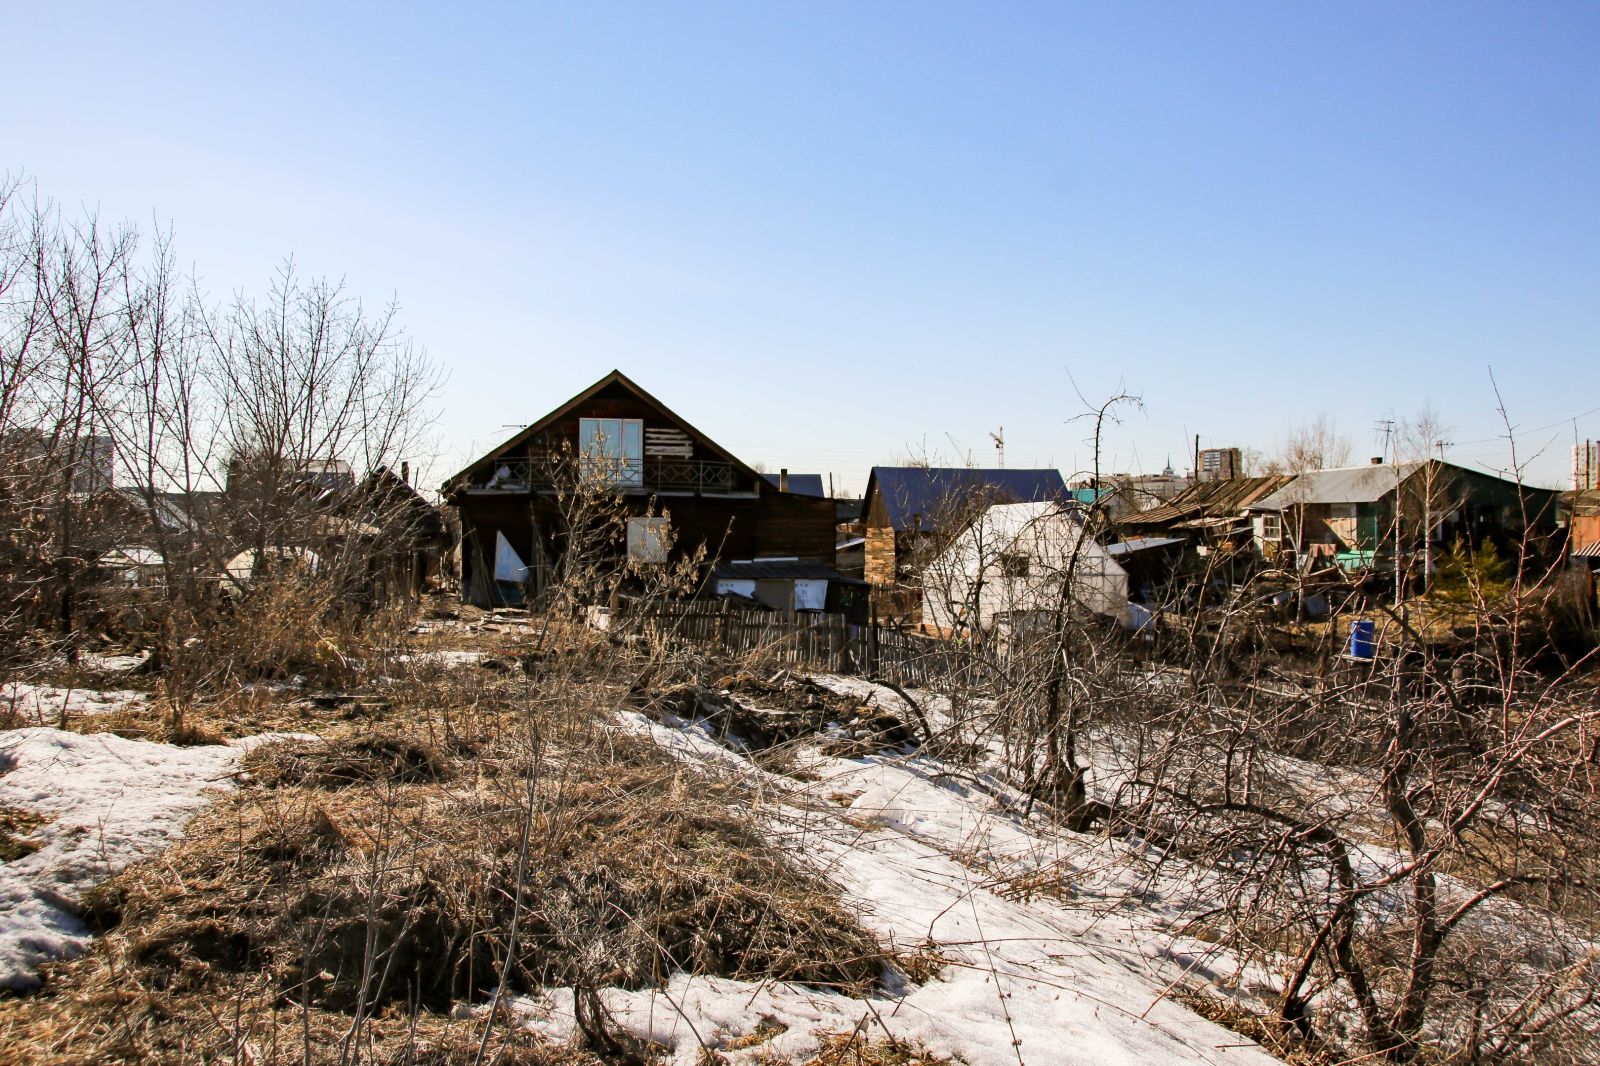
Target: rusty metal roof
[(1209, 499)]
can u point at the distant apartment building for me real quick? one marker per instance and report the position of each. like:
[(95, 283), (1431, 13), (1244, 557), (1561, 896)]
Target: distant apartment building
[(1586, 466), (1220, 464)]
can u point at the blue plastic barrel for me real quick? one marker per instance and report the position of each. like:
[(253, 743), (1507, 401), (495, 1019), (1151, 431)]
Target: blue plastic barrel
[(1363, 643)]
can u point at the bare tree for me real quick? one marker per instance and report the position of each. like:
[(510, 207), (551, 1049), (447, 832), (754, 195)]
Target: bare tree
[(1315, 444)]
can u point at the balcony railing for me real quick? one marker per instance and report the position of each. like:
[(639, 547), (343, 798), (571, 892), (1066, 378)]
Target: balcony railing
[(634, 475)]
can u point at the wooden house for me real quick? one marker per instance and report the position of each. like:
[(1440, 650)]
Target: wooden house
[(656, 463), (1357, 517), (1206, 531)]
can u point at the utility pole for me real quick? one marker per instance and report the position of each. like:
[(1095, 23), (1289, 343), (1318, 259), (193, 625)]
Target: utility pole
[(1392, 458)]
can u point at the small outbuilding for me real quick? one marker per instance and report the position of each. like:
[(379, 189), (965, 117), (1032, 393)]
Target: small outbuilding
[(1011, 567)]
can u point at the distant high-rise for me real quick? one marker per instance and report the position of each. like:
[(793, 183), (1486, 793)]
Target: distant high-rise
[(1586, 466), (1220, 464)]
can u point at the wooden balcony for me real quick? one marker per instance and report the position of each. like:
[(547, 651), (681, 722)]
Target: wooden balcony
[(650, 475)]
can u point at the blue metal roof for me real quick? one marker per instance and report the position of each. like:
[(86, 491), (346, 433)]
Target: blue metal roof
[(800, 484), (915, 496)]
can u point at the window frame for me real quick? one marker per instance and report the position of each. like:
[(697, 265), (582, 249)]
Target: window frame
[(613, 461), (645, 539)]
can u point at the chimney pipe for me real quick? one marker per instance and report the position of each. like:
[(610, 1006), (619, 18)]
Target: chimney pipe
[(405, 471), (783, 479)]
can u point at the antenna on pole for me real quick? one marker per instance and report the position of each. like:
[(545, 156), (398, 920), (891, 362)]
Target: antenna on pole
[(999, 438), (1386, 425)]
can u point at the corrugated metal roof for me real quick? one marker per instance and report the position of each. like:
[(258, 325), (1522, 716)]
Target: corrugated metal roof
[(1350, 484), (1588, 551), (779, 570), (800, 484), (1139, 544), (915, 497)]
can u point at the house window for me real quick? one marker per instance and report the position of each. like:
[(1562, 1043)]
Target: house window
[(612, 448), (1012, 566), (1272, 527), (647, 540)]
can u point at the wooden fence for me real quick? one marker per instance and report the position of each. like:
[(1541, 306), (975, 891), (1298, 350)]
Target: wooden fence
[(918, 661), (815, 640)]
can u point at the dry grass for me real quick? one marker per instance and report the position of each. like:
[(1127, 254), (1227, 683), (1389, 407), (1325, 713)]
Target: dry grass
[(372, 875), (853, 1049), (15, 825), (1268, 1031)]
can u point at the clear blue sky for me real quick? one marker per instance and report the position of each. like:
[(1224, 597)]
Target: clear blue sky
[(828, 234)]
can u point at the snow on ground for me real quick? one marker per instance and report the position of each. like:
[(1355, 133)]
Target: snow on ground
[(107, 801), (112, 664), (43, 703), (1069, 976), (446, 657)]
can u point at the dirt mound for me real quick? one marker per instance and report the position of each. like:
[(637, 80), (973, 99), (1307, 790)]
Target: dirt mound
[(762, 715), (345, 761)]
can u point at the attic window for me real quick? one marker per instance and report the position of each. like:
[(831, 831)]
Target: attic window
[(612, 448), (1013, 566)]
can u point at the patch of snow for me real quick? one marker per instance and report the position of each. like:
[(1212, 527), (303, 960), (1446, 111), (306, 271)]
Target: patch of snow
[(1062, 973), (112, 664), (44, 703), (108, 801), (446, 657)]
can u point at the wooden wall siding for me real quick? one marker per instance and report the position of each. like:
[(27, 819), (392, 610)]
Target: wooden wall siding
[(773, 524), (875, 513), (668, 443), (1585, 531), (880, 556)]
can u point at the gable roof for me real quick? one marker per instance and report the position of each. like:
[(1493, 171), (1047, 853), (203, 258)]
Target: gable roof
[(913, 496), (800, 484), (616, 377), (1346, 484)]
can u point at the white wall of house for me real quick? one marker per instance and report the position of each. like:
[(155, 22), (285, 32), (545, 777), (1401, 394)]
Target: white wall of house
[(1013, 562)]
